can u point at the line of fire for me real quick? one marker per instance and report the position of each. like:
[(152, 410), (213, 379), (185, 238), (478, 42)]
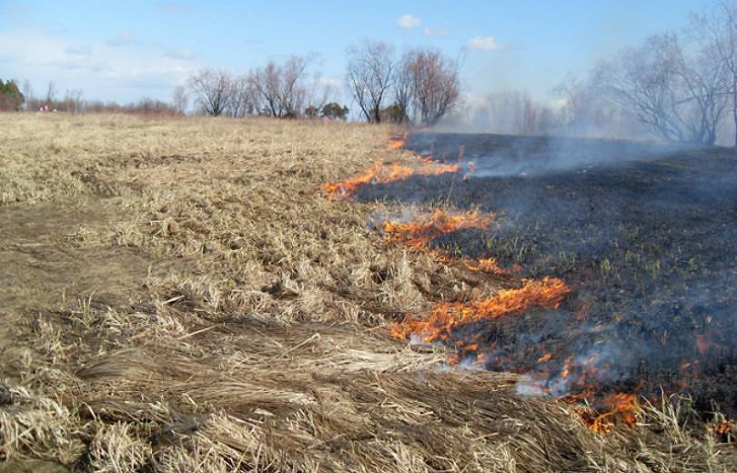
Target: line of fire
[(612, 264)]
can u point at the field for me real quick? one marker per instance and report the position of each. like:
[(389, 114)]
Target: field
[(180, 294)]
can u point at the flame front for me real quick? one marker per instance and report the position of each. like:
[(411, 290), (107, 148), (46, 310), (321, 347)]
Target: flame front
[(397, 142), (384, 173), (445, 318), (622, 408), (547, 293), (417, 235)]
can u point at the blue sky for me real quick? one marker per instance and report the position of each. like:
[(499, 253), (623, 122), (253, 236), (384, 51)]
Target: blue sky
[(123, 50)]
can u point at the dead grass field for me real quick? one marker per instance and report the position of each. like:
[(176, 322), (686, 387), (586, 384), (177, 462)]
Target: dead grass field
[(177, 295)]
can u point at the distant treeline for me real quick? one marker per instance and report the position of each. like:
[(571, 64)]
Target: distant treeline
[(12, 98), (422, 86), (679, 87)]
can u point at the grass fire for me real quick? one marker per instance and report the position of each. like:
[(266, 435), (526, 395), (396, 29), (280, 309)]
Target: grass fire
[(257, 319), (283, 237)]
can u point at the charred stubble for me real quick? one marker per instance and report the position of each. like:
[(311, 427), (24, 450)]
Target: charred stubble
[(645, 236)]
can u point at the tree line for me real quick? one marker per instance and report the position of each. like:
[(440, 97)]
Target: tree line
[(280, 90), (422, 86), (674, 86), (15, 98)]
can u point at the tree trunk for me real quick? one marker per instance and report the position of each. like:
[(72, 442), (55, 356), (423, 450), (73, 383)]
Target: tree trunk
[(734, 108)]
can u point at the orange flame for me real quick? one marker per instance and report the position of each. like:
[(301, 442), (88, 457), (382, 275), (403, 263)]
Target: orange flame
[(445, 316), (722, 428), (623, 408), (397, 142), (545, 358), (487, 265), (383, 173), (418, 235)]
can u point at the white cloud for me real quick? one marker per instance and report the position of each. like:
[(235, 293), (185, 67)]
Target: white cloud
[(125, 38), (435, 32), (185, 54), (408, 22), (485, 43), (102, 72)]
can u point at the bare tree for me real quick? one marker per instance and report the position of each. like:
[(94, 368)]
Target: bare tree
[(717, 28), (435, 84), (51, 93), (213, 90), (266, 82), (503, 112), (319, 93), (404, 87), (73, 101), (585, 111), (179, 99), (246, 98), (281, 87), (706, 81), (292, 92), (677, 97), (370, 76)]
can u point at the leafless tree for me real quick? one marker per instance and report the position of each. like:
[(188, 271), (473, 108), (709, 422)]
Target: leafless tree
[(370, 76), (238, 101), (213, 90), (585, 111), (319, 93), (179, 99), (717, 29), (435, 83), (281, 86), (73, 101), (508, 112), (678, 98), (502, 112), (51, 93), (292, 93), (246, 99), (404, 87), (267, 82), (705, 77)]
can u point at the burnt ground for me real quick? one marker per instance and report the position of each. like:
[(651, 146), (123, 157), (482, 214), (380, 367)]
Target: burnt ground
[(644, 234)]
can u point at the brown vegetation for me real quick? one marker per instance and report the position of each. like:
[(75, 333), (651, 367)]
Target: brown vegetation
[(181, 296)]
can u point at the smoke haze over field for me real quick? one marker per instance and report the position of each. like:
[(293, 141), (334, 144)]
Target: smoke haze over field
[(496, 156), (642, 233)]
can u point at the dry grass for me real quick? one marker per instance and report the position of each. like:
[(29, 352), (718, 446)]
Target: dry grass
[(256, 340)]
